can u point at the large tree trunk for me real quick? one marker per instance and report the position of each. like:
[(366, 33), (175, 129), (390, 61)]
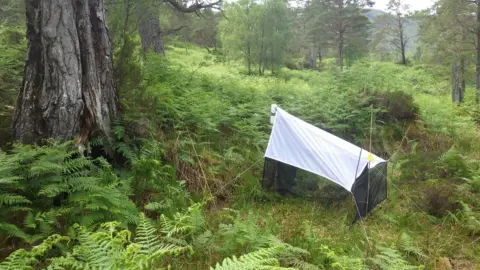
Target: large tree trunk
[(403, 43), (68, 90), (340, 50), (249, 60), (458, 80), (320, 56), (456, 89), (149, 28), (402, 47), (311, 57), (261, 56)]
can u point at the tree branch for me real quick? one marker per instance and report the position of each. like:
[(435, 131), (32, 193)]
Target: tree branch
[(194, 7), (464, 27), (172, 31)]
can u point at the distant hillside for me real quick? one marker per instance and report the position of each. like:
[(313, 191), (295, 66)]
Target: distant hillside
[(411, 27)]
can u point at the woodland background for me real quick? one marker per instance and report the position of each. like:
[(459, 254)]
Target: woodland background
[(164, 170)]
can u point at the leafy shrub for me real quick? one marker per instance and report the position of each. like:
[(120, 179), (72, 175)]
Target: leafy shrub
[(417, 166), (453, 164), (440, 199), (156, 187), (468, 219), (291, 65), (471, 184), (394, 105)]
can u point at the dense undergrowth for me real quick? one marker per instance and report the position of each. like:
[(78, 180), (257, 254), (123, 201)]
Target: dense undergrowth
[(183, 187)]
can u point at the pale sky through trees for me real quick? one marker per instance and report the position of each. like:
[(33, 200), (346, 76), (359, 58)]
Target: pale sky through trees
[(414, 4)]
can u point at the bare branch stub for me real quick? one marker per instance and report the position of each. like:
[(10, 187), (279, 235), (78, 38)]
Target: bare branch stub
[(194, 7), (172, 31)]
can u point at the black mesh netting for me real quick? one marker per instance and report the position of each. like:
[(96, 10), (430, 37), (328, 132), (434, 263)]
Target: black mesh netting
[(371, 184), (278, 176)]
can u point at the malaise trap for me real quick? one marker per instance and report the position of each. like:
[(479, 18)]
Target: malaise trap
[(296, 146)]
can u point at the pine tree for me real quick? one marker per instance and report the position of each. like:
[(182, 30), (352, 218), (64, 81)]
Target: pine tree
[(447, 41), (391, 28), (343, 26)]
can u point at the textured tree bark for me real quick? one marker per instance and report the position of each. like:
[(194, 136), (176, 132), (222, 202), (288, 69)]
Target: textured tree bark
[(340, 50), (456, 90), (68, 90), (149, 28), (319, 56), (403, 43), (261, 56), (249, 60), (341, 32), (311, 57)]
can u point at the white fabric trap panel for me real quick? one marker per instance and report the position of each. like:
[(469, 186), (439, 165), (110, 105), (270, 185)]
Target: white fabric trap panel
[(300, 144)]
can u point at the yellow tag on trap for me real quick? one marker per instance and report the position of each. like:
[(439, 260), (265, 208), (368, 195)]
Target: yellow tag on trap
[(370, 157)]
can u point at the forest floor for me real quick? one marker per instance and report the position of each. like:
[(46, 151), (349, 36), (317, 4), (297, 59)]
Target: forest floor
[(404, 220), (203, 120)]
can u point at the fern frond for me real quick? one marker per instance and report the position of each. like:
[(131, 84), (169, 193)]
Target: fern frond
[(406, 244), (119, 129), (47, 244), (53, 190), (147, 237), (17, 208), (391, 259), (184, 224), (70, 166), (151, 247), (100, 141), (13, 230), (156, 206), (203, 240), (19, 259), (29, 221), (96, 250), (12, 199), (125, 150), (151, 150), (85, 184), (176, 226), (44, 167), (12, 180), (295, 256), (264, 258), (23, 259)]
